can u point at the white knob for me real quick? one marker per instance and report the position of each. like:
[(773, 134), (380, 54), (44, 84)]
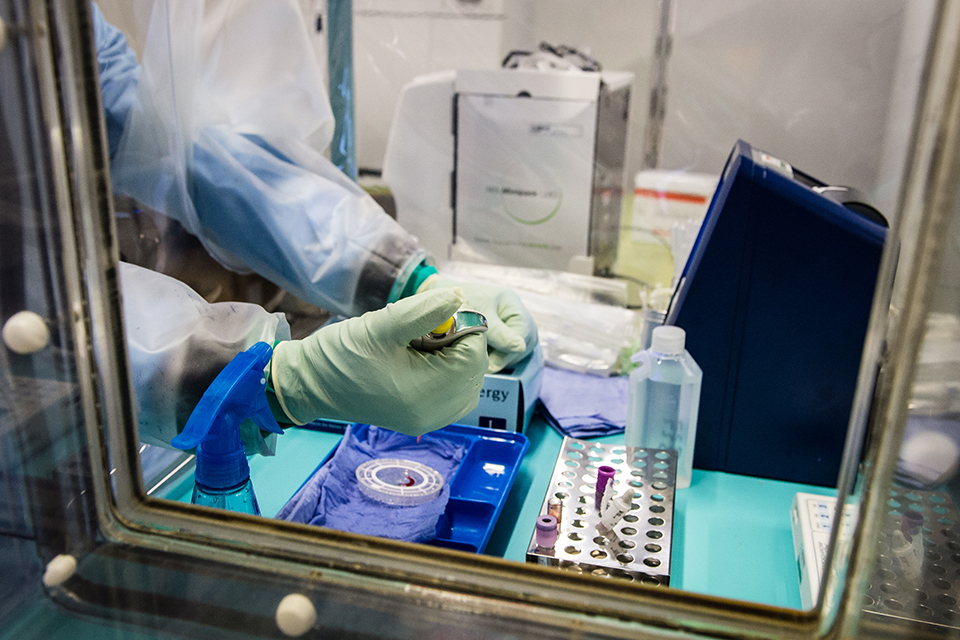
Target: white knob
[(59, 570), (296, 615), (25, 332)]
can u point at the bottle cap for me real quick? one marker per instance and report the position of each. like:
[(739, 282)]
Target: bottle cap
[(668, 340), (443, 328), (605, 474)]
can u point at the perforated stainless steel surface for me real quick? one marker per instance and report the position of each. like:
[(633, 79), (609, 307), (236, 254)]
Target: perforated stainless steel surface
[(639, 546), (932, 598)]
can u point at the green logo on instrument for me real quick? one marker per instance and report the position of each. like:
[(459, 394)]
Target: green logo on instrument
[(516, 218)]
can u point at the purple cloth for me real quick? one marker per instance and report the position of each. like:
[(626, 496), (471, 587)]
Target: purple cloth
[(581, 405), (332, 497)]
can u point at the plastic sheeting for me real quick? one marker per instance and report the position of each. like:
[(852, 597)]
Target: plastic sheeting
[(178, 343), (829, 87), (229, 143)]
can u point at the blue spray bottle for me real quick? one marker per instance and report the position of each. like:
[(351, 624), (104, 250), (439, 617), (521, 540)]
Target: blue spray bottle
[(238, 393)]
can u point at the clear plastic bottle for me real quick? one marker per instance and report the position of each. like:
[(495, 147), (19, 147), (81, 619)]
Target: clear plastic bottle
[(239, 498), (664, 399)]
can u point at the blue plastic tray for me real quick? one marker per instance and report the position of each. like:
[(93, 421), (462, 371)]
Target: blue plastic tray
[(478, 488)]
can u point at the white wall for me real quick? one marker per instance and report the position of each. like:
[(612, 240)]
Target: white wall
[(396, 40), (824, 85), (827, 86)]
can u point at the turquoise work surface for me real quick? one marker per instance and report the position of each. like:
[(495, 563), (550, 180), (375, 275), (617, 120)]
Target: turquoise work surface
[(731, 536), (277, 478)]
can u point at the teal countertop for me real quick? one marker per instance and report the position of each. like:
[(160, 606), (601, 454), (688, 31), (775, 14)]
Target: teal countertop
[(731, 535)]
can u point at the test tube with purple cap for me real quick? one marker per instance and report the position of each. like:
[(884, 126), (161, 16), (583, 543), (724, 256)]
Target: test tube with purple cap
[(605, 475), (546, 534)]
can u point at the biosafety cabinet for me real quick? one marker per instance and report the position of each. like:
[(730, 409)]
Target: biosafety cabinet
[(89, 547)]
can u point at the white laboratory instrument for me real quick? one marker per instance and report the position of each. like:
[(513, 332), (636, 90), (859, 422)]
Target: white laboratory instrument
[(517, 167)]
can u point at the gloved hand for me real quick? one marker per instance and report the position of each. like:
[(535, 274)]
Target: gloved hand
[(511, 333), (364, 370)]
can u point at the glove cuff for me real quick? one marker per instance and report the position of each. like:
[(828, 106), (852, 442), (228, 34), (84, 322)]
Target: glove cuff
[(273, 385), (427, 282), (408, 283)]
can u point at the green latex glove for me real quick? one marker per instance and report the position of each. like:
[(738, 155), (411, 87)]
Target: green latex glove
[(512, 333), (364, 369)]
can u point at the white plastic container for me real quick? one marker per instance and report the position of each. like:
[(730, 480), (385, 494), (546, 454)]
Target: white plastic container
[(668, 209), (664, 399), (661, 198)]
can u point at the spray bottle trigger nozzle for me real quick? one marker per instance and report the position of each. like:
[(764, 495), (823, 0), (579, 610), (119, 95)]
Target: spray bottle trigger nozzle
[(237, 393), (265, 420)]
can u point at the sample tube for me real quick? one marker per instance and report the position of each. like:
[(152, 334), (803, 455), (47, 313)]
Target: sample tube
[(555, 509), (614, 511), (546, 534), (911, 524), (604, 476), (907, 546)]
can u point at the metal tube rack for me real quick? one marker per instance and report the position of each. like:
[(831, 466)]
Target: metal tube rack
[(933, 597), (638, 549)]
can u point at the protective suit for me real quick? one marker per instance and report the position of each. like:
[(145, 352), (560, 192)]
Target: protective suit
[(232, 149)]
